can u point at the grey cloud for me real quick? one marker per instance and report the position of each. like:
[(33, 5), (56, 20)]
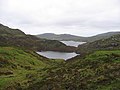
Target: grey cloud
[(75, 17)]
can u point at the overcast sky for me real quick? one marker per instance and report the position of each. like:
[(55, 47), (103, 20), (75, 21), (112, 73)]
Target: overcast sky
[(77, 17)]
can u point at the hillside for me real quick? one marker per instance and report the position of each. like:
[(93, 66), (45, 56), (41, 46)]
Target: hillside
[(25, 70), (68, 37), (18, 67), (5, 31), (17, 38), (102, 36), (97, 71), (112, 43)]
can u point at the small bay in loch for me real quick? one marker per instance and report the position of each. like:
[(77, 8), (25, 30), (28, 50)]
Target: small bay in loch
[(72, 43), (57, 55)]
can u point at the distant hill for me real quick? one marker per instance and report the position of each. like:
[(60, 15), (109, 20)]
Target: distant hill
[(17, 38), (102, 36), (63, 37), (68, 37), (112, 43)]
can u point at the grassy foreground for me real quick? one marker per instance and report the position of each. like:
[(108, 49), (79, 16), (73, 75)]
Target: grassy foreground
[(97, 71), (25, 70), (18, 66)]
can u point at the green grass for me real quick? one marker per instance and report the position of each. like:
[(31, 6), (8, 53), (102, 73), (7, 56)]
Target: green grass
[(19, 57), (97, 71), (23, 69), (105, 55), (23, 64)]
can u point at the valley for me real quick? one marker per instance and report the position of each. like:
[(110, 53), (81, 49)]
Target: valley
[(96, 66)]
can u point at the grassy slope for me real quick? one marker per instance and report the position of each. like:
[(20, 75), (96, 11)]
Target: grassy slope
[(5, 31), (21, 69), (17, 67), (98, 71), (17, 38), (112, 43)]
